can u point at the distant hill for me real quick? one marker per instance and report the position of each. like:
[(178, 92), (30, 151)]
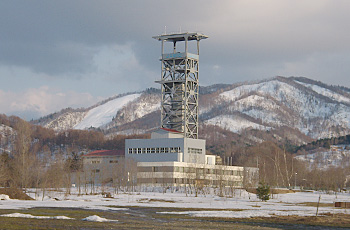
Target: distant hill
[(295, 109)]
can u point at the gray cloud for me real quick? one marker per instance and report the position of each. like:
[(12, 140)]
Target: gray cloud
[(105, 47)]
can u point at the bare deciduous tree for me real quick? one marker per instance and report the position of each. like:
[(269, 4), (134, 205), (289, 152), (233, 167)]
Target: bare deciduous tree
[(23, 158)]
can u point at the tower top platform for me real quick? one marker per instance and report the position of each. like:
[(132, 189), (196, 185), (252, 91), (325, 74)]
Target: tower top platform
[(180, 37)]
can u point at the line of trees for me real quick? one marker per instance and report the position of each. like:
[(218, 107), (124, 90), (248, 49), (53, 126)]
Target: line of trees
[(278, 168), (24, 168), (35, 157), (30, 161), (325, 143)]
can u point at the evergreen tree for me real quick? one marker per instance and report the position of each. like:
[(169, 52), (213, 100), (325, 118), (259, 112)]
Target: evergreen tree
[(263, 191)]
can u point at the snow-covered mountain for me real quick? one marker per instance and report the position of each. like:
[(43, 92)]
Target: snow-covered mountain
[(307, 107), (103, 114), (315, 109), (112, 112)]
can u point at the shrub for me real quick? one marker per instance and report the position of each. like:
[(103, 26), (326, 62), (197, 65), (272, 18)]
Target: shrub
[(263, 191)]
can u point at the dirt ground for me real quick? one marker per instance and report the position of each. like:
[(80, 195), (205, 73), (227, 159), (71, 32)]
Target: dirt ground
[(15, 193), (149, 218)]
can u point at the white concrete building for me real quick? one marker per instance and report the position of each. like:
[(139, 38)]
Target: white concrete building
[(166, 145), (169, 159)]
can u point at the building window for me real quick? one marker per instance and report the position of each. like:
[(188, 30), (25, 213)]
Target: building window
[(95, 162), (154, 150), (113, 161), (175, 149), (155, 169), (194, 151), (95, 170)]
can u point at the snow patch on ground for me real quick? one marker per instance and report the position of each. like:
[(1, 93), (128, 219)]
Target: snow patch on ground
[(103, 114), (246, 204), (4, 197), (21, 215), (96, 218)]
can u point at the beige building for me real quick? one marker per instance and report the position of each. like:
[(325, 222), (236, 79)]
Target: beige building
[(181, 173), (100, 166)]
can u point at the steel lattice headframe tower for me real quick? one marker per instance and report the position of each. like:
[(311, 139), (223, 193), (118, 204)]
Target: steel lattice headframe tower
[(180, 88)]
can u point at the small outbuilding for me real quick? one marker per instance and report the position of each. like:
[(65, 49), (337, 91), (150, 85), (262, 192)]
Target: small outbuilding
[(100, 165)]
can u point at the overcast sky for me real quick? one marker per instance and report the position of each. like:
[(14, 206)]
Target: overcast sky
[(58, 54)]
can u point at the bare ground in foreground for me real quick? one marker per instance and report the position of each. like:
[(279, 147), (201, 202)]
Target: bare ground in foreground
[(149, 218)]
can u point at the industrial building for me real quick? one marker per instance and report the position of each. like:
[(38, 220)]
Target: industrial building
[(166, 145), (174, 155), (100, 166)]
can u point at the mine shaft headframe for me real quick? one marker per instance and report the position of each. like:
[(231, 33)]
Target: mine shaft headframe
[(179, 84), (178, 37)]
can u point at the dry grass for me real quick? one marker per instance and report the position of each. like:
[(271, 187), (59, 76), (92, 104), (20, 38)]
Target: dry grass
[(314, 204), (149, 218), (15, 193), (330, 220), (273, 190)]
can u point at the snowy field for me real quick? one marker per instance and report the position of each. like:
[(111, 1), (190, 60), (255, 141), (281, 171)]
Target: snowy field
[(242, 205)]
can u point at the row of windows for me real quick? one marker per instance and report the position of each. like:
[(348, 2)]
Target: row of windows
[(98, 162), (219, 182), (154, 150), (195, 151), (199, 171)]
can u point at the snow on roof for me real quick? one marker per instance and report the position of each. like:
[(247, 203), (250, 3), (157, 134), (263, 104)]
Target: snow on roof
[(105, 153)]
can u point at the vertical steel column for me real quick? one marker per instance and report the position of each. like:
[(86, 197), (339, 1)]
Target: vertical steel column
[(185, 105)]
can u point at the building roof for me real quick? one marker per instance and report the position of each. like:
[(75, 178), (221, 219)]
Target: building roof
[(181, 36), (99, 153), (171, 130)]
